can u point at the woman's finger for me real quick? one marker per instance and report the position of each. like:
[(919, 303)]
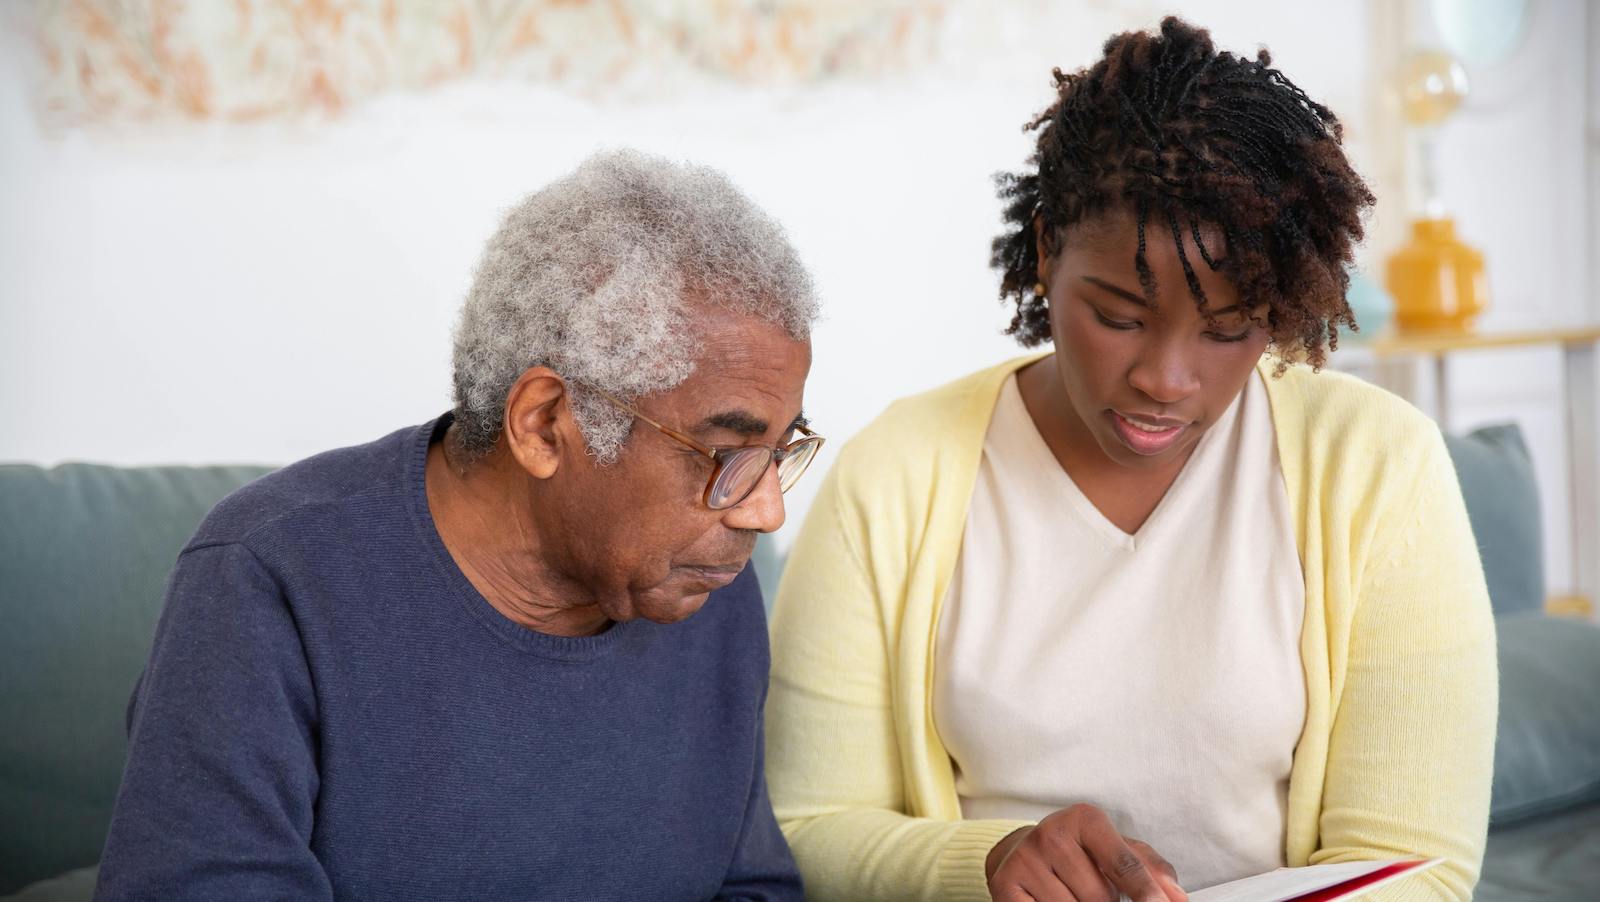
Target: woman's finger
[(1041, 882), (1119, 863), (1071, 865), (1165, 872)]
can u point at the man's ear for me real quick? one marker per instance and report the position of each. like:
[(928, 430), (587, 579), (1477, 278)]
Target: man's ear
[(533, 427)]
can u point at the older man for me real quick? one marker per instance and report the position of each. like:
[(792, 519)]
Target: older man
[(459, 662)]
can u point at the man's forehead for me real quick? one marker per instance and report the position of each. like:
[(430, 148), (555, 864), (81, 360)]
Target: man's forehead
[(748, 376), (748, 403)]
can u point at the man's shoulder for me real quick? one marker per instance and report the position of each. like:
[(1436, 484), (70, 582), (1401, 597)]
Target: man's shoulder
[(315, 488)]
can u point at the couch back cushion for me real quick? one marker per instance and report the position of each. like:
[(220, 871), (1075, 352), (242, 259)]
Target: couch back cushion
[(84, 555), (1547, 749), (1502, 498)]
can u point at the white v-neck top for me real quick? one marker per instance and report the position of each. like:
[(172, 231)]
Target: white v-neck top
[(1155, 675)]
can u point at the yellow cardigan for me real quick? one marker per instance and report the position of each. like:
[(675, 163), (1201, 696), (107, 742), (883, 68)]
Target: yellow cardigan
[(1398, 647)]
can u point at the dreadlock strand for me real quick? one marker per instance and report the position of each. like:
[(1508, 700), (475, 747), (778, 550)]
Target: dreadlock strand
[(1200, 243), (1189, 276), (1147, 276)]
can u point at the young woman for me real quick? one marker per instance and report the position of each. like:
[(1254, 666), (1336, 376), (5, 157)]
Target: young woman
[(1165, 594)]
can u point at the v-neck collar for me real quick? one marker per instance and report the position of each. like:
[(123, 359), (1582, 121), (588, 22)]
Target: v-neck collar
[(1039, 456)]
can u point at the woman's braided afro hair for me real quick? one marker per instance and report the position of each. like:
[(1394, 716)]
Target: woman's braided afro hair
[(1190, 137)]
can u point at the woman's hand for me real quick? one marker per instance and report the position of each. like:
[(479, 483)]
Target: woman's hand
[(1076, 855)]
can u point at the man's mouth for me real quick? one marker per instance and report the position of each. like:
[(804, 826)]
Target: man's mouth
[(715, 574)]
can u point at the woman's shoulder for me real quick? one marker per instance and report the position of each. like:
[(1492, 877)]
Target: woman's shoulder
[(930, 425), (1338, 426), (1340, 401)]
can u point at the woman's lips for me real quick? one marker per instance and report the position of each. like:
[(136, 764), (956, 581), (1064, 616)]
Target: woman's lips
[(1147, 435)]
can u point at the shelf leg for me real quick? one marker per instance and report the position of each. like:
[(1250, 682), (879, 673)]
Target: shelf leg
[(1583, 465)]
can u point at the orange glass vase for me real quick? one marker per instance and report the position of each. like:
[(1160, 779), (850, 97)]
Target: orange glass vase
[(1437, 282)]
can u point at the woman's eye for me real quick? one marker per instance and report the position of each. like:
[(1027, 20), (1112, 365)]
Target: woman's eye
[(1217, 336), (1115, 323)]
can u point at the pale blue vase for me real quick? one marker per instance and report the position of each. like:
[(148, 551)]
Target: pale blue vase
[(1373, 307)]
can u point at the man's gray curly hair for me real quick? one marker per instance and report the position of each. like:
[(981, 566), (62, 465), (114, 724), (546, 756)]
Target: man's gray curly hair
[(590, 276)]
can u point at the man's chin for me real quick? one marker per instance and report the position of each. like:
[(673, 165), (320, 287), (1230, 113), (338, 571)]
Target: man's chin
[(678, 597), (668, 608)]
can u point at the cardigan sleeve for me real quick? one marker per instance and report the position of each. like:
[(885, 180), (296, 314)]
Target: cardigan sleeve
[(833, 758), (1411, 751)]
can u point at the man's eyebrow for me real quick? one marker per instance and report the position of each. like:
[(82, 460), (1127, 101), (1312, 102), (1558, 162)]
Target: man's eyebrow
[(736, 421), (743, 423), (1123, 292)]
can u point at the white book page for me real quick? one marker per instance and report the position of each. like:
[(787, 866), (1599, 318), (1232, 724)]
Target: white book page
[(1289, 883)]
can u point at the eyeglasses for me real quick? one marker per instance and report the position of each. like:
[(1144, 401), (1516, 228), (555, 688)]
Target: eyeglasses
[(738, 471)]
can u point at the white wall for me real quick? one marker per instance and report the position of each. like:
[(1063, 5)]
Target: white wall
[(226, 293)]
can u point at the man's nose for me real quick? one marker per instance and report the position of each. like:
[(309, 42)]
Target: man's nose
[(762, 510)]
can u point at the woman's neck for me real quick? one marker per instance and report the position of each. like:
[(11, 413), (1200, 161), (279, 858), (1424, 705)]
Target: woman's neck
[(1126, 496)]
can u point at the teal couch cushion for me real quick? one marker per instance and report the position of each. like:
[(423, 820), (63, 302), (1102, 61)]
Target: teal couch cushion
[(1551, 858), (73, 886), (1547, 751), (84, 556), (1502, 498)]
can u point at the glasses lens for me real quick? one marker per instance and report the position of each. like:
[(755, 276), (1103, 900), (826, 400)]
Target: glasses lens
[(741, 473), (796, 461)]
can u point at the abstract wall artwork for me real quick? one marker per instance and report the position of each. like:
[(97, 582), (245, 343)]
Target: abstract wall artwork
[(250, 60)]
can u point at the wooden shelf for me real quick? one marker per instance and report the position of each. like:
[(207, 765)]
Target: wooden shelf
[(1578, 606), (1392, 343)]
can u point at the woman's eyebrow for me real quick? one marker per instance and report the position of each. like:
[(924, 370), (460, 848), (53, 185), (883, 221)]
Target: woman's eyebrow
[(1139, 299), (1123, 292)]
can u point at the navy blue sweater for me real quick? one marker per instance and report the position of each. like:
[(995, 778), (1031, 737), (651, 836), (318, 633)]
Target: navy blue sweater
[(331, 710)]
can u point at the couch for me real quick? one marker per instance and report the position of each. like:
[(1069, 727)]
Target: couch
[(85, 549)]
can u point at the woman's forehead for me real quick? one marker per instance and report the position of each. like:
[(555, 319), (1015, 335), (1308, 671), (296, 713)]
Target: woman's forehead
[(1115, 231)]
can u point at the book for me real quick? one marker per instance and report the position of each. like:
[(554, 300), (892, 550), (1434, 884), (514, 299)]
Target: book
[(1317, 883)]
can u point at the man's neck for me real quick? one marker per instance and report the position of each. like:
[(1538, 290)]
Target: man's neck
[(481, 512)]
